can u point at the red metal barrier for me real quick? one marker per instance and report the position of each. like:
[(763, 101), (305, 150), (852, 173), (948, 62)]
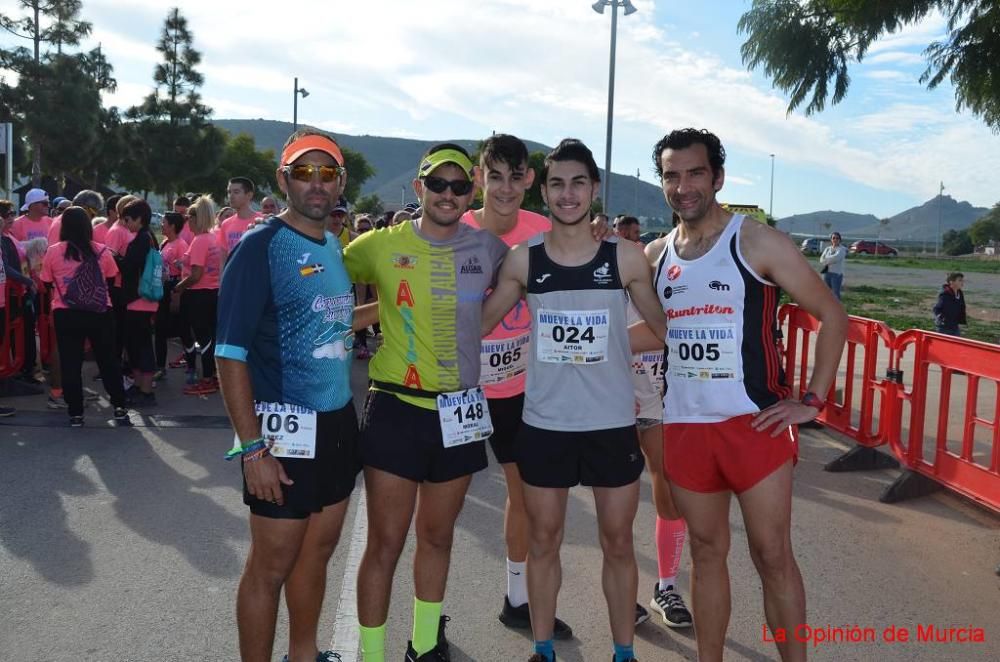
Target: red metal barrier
[(871, 336), (12, 341), (957, 471)]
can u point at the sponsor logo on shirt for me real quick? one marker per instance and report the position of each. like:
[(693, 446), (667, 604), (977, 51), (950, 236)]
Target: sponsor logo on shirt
[(670, 291), (674, 272), (694, 311), (718, 286), (401, 261), (312, 270), (304, 258), (602, 274), (472, 266), (542, 278)]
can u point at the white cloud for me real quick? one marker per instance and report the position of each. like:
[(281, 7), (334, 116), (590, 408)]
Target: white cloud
[(739, 181), (895, 57)]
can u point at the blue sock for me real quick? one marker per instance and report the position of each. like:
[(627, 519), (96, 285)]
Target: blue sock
[(624, 653), (545, 648)]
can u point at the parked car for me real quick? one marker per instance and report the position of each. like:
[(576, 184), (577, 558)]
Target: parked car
[(812, 246), (872, 248)]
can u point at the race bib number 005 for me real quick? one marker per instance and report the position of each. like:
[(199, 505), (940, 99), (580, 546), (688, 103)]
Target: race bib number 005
[(502, 360), (464, 417), (290, 428), (703, 352), (572, 336)]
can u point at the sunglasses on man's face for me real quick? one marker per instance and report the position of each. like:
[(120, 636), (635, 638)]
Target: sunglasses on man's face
[(438, 185), (305, 173)]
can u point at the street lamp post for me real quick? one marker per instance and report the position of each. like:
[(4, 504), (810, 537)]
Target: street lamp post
[(770, 206), (599, 8), (937, 242), (295, 104), (635, 206)]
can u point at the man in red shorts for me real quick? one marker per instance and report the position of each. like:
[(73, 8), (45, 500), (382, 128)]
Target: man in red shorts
[(729, 425)]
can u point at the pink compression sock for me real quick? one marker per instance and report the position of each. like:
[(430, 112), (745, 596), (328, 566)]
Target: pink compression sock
[(670, 535)]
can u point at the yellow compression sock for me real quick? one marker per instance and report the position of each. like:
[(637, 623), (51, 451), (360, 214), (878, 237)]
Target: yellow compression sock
[(373, 643), (426, 616)]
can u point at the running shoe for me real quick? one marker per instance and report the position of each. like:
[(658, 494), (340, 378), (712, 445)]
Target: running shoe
[(436, 654), (7, 411), (519, 618), (56, 402), (669, 604), (179, 362), (160, 375), (29, 378), (76, 421), (204, 387), (538, 657), (121, 417), (322, 656), (641, 615)]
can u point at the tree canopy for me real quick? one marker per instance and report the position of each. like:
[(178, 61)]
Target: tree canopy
[(805, 46), (987, 228)]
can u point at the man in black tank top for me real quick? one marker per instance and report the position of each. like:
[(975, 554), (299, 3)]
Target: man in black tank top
[(709, 457), (578, 428)]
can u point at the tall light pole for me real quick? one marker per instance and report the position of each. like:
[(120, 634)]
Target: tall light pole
[(770, 206), (295, 104), (599, 8), (635, 206), (937, 243)]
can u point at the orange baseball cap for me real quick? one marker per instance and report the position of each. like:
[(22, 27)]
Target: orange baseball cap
[(308, 144)]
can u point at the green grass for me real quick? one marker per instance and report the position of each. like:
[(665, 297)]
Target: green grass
[(942, 265)]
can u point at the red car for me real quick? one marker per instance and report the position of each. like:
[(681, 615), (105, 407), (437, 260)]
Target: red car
[(872, 248)]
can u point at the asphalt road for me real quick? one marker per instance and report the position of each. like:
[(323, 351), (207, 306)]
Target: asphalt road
[(127, 544)]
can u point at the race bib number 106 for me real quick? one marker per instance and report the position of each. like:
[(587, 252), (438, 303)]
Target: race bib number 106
[(290, 428)]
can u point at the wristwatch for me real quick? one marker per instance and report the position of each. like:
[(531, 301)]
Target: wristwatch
[(810, 399)]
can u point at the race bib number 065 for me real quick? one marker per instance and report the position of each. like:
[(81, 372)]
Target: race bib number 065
[(503, 360), (572, 336)]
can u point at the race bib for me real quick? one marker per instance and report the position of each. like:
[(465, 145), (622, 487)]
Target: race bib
[(572, 336), (650, 365), (502, 360), (290, 428), (464, 417), (707, 352)]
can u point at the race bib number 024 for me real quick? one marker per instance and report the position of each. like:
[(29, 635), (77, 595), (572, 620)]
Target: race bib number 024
[(502, 360), (290, 428), (572, 336), (703, 352), (464, 417)]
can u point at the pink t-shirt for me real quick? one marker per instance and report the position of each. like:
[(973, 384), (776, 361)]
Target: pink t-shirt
[(101, 233), (204, 252), (54, 229), (58, 270), (511, 337), (25, 229), (118, 238), (186, 234), (232, 229), (173, 256)]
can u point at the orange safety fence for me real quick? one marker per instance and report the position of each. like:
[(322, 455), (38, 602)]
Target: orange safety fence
[(12, 341), (974, 474), (900, 417), (874, 339)]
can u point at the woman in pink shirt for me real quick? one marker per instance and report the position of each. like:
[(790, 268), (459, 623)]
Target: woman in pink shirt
[(197, 294), (168, 323), (77, 271)]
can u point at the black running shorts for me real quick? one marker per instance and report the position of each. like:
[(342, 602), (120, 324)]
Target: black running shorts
[(595, 458), (506, 416), (323, 480), (405, 440)]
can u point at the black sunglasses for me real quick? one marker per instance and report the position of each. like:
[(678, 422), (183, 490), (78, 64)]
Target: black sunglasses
[(438, 185)]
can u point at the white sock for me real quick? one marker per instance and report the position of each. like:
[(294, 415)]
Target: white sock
[(517, 583), (667, 582)]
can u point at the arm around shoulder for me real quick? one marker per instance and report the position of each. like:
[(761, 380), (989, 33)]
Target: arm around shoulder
[(509, 288)]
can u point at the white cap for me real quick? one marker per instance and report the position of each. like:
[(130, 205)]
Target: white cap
[(33, 196)]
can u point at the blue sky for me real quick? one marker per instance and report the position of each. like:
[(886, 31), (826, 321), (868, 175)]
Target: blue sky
[(445, 69)]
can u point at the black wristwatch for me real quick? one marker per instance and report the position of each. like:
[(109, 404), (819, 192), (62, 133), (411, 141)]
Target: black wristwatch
[(810, 399)]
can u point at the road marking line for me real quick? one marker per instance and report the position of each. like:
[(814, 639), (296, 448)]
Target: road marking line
[(346, 635)]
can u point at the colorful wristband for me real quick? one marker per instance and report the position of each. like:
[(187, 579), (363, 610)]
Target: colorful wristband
[(247, 447)]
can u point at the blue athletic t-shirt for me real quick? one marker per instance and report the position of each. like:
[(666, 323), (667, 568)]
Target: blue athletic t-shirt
[(285, 308)]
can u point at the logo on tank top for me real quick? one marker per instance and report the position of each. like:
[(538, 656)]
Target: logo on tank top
[(674, 272), (542, 278), (670, 291), (401, 261), (718, 286), (602, 274), (472, 266)]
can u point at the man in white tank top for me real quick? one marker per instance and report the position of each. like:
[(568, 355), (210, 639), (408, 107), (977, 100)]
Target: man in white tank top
[(579, 413), (728, 419)]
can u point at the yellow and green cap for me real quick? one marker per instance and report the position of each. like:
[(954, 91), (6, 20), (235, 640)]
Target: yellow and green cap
[(439, 158)]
